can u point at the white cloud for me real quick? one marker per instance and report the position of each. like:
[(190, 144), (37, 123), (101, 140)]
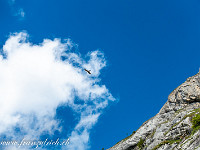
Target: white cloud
[(34, 81), (18, 12)]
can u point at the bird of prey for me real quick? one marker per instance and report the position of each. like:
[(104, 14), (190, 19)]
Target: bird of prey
[(88, 71)]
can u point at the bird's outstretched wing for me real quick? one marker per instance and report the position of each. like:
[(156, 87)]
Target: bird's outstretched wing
[(88, 71)]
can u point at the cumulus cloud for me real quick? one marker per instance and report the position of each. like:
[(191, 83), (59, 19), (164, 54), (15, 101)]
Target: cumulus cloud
[(36, 79)]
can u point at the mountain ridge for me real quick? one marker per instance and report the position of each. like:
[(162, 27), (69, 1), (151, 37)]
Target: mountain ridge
[(176, 126)]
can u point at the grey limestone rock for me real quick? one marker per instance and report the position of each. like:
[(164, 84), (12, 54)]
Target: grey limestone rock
[(171, 128)]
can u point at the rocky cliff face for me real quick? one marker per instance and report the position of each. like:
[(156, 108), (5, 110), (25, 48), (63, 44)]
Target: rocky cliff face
[(175, 127)]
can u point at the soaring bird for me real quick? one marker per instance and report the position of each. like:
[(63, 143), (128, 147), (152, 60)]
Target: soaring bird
[(88, 71)]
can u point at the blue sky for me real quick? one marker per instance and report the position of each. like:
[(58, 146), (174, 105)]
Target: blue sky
[(150, 47)]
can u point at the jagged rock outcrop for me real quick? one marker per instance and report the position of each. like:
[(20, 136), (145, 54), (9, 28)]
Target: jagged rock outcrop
[(171, 128)]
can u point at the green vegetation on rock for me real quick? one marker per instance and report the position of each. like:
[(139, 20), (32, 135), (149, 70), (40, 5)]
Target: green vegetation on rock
[(191, 114), (195, 123), (166, 142), (140, 144)]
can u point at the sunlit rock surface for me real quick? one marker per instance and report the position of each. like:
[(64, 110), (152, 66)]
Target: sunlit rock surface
[(171, 128)]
